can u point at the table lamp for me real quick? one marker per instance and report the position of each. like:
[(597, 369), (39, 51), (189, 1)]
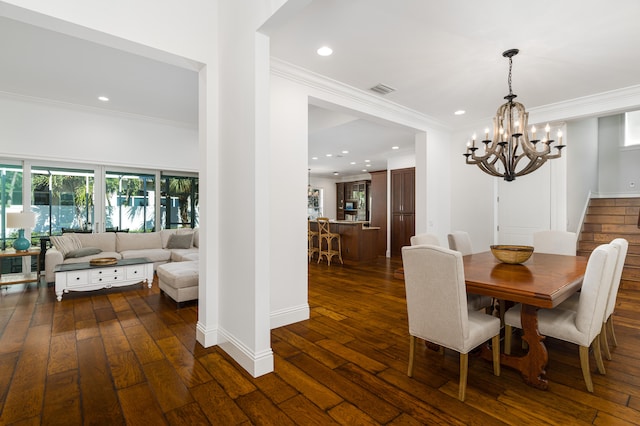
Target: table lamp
[(21, 221)]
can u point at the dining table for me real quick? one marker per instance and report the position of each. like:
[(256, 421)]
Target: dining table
[(543, 281)]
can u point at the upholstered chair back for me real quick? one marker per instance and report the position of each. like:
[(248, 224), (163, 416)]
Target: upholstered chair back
[(460, 241), (623, 246), (555, 242), (597, 282), (422, 239), (436, 295)]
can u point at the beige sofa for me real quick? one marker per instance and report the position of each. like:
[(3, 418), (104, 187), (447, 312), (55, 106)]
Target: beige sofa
[(168, 245)]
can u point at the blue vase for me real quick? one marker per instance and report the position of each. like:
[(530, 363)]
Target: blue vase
[(21, 243)]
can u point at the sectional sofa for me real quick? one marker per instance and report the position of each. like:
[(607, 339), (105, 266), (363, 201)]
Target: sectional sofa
[(168, 245)]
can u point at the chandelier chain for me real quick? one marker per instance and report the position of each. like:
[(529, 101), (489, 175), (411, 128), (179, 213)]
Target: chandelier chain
[(509, 79)]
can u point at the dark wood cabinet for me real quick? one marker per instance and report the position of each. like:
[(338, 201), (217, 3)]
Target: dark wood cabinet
[(402, 208), (340, 201), (378, 218), (352, 200)]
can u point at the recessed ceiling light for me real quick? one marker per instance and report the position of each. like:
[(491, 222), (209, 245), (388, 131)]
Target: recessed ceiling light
[(352, 163), (336, 173), (459, 112), (325, 51), (329, 155), (103, 98), (367, 161), (345, 152), (367, 165), (364, 170), (395, 147), (314, 158)]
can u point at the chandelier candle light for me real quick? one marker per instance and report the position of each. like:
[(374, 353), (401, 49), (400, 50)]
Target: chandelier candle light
[(510, 143)]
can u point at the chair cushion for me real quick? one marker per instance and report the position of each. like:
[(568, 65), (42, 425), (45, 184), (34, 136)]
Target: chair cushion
[(84, 251), (482, 327), (180, 241), (138, 241), (66, 243)]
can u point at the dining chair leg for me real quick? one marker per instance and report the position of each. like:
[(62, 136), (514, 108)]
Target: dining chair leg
[(501, 309), (495, 346), (584, 364), (412, 350), (604, 343), (597, 352), (507, 339), (464, 368), (614, 342)]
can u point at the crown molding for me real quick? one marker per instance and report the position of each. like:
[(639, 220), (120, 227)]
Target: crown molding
[(599, 104), (402, 114), (596, 105)]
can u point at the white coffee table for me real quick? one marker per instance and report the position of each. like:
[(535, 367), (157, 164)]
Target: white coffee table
[(86, 277)]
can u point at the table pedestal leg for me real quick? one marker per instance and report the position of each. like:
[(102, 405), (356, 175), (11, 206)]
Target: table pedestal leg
[(532, 365)]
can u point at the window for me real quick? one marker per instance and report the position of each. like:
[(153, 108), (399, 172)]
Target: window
[(314, 203), (129, 202), (632, 128), (10, 201), (62, 199), (179, 204)]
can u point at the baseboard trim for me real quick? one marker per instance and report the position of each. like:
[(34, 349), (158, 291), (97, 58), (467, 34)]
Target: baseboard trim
[(256, 363), (289, 315), (206, 337)]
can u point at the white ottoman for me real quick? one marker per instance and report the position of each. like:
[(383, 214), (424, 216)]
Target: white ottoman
[(179, 280)]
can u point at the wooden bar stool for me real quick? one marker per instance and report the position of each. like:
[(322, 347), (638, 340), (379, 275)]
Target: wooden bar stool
[(312, 237), (326, 236)]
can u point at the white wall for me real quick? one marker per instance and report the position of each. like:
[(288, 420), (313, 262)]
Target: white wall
[(619, 173), (582, 167), (438, 186), (288, 207), (472, 196), (38, 129)]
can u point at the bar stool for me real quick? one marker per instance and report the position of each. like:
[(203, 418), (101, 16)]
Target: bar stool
[(326, 236), (312, 236)]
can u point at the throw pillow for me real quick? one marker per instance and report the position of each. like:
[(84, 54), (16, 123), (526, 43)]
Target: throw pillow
[(66, 243), (82, 252), (180, 241)]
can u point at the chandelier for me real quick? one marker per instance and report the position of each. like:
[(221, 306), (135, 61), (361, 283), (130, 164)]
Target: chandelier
[(511, 147)]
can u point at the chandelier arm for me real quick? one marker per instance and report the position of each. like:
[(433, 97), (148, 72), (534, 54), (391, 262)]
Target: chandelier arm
[(534, 164), (488, 166), (489, 170)]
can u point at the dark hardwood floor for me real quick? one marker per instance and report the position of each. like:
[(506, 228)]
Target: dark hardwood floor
[(128, 356)]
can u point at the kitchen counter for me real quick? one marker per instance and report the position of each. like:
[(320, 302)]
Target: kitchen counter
[(358, 239)]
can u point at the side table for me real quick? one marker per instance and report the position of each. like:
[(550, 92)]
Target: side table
[(21, 277)]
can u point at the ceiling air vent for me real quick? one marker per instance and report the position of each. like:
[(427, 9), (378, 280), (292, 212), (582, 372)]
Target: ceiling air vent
[(383, 89)]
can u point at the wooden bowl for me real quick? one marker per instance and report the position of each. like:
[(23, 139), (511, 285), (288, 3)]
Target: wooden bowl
[(512, 254), (103, 261)]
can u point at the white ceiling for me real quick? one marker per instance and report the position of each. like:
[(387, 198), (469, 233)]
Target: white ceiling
[(46, 64), (440, 56)]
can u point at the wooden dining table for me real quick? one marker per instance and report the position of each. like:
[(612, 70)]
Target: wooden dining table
[(543, 281)]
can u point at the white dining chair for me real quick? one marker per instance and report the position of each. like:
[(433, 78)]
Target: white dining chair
[(555, 242), (422, 239), (460, 241), (607, 326), (583, 325), (437, 307)]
